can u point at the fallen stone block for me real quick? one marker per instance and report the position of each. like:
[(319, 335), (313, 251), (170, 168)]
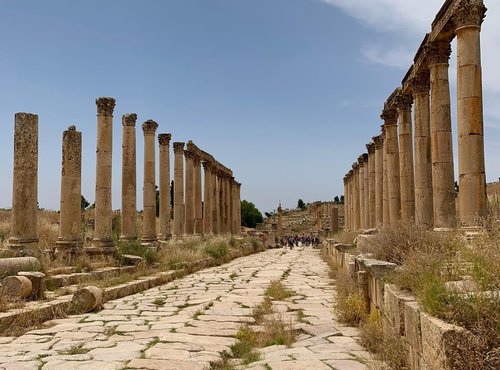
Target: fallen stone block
[(86, 299), (17, 286), (11, 266), (37, 282)]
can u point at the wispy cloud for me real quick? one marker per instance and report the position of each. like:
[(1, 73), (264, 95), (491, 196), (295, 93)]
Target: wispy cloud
[(399, 57), (409, 21)]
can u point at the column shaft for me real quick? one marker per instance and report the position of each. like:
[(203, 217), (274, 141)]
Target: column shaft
[(178, 189), (471, 167), (129, 178), (386, 217), (70, 229), (379, 180), (103, 229), (165, 201), (149, 191), (366, 194), (393, 178), (189, 188), (198, 211), (207, 195), (361, 192), (406, 174), (23, 234), (214, 200), (424, 215), (441, 138)]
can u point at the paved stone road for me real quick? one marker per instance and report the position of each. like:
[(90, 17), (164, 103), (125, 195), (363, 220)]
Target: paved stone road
[(185, 324)]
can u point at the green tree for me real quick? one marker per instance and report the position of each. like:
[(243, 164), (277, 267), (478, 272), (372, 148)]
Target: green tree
[(250, 215), (301, 205), (336, 199)]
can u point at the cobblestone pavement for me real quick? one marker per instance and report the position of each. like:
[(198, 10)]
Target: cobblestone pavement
[(187, 323)]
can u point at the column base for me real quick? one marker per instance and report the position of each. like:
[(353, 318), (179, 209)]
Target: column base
[(24, 247), (128, 238), (67, 249)]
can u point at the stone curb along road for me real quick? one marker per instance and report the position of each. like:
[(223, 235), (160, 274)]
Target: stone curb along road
[(187, 323)]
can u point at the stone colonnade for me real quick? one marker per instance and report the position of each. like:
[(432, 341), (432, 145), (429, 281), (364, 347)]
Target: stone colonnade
[(328, 209), (194, 212), (412, 175)]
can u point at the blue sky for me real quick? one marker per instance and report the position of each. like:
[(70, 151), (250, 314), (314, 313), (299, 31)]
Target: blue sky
[(284, 92)]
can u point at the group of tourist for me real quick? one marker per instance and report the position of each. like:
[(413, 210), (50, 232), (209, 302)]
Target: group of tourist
[(291, 241)]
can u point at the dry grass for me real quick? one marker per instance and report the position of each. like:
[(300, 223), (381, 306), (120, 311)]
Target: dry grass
[(350, 304), (278, 291), (346, 237)]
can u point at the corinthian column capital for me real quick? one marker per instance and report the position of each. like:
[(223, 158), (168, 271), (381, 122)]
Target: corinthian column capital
[(105, 106), (469, 13), (129, 119), (178, 147), (421, 83), (149, 127), (390, 116), (437, 52), (164, 139), (404, 102)]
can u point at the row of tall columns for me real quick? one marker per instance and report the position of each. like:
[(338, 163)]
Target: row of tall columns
[(196, 215), (413, 161)]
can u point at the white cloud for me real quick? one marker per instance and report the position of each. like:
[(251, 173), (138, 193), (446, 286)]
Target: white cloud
[(411, 20)]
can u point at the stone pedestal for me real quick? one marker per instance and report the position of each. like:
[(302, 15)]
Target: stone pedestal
[(70, 230), (23, 239), (407, 185), (390, 118), (424, 215), (149, 191), (164, 142), (207, 202), (189, 197), (379, 180), (103, 232), (471, 168), (443, 185), (178, 189), (129, 179), (198, 211)]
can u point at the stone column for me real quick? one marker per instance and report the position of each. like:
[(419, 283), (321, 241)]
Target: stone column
[(178, 189), (438, 54), (406, 174), (164, 142), (356, 200), (198, 210), (371, 185), (366, 196), (234, 208), (149, 191), (351, 199), (424, 215), (386, 218), (390, 117), (318, 220), (361, 191), (379, 180), (213, 199), (238, 208), (129, 179), (346, 202), (229, 204), (472, 185), (207, 202), (189, 188), (334, 220), (23, 235), (221, 201), (103, 230), (70, 218)]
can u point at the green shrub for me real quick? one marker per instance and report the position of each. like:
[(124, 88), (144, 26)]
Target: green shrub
[(217, 249)]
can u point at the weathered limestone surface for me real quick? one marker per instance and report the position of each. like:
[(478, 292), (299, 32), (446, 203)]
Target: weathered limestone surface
[(11, 266), (149, 191), (103, 234), (164, 142), (86, 299), (187, 323), (189, 193), (197, 198), (70, 238), (379, 180), (16, 286), (386, 217), (23, 235), (129, 178)]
